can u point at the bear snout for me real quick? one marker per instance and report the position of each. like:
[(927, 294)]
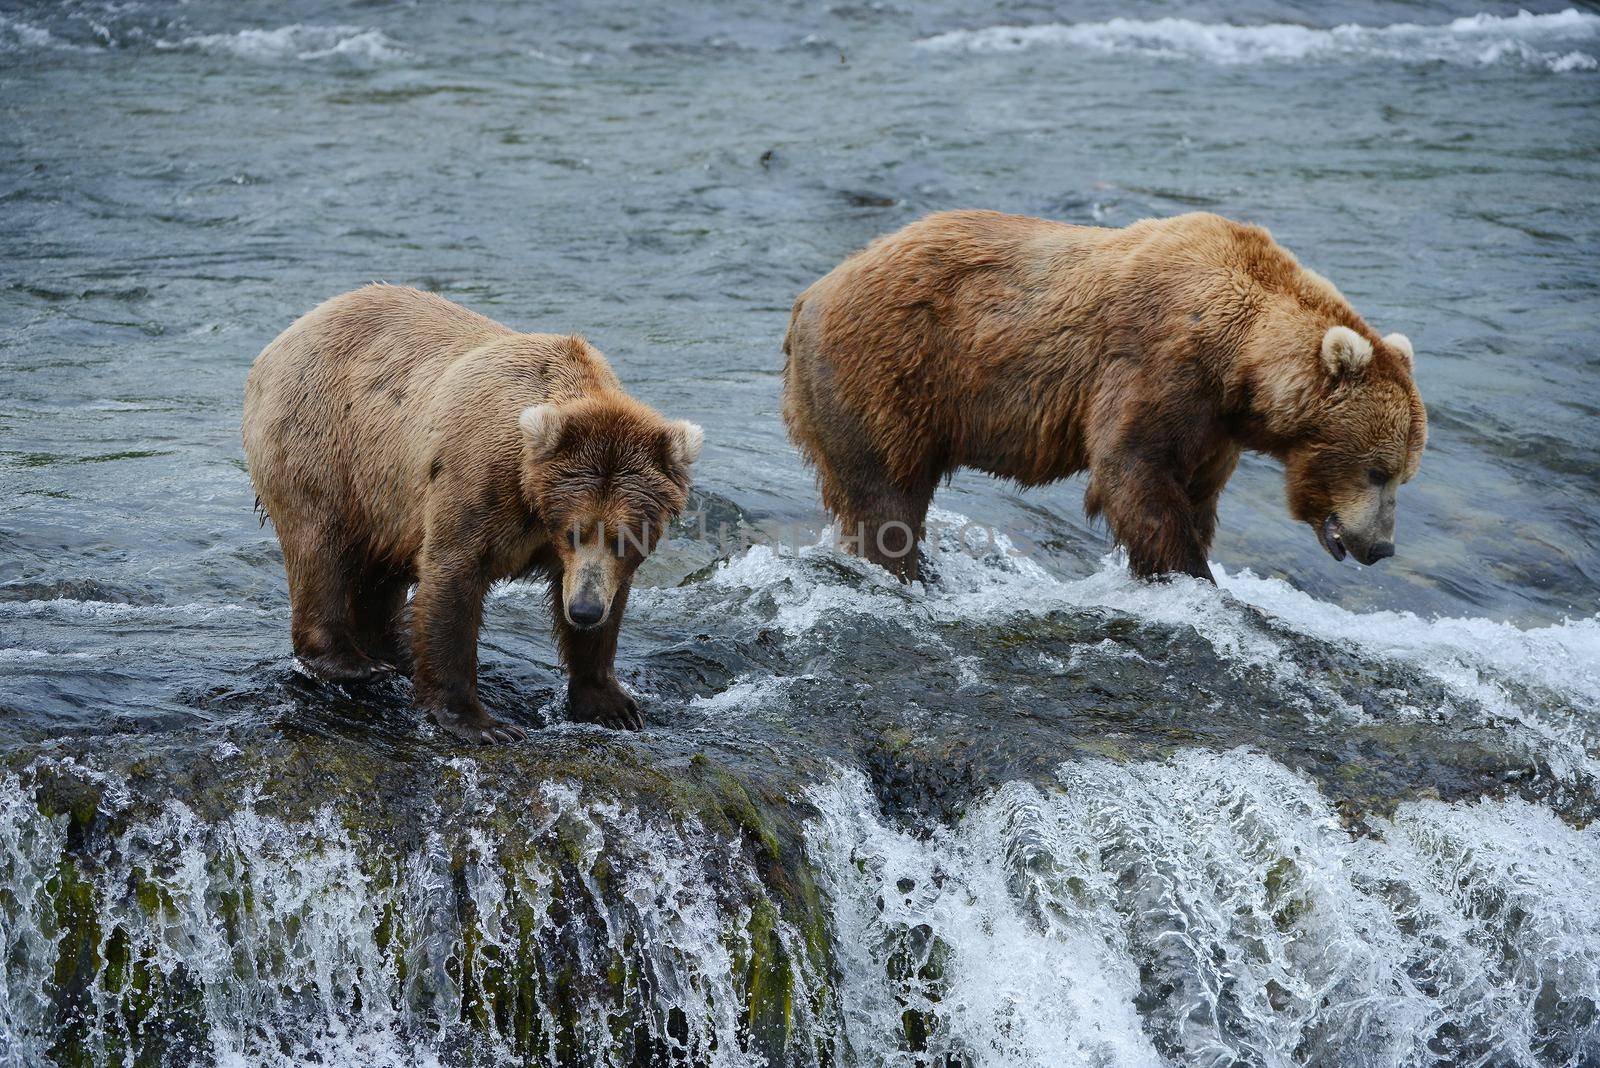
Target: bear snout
[(589, 585), (1369, 552), (586, 609)]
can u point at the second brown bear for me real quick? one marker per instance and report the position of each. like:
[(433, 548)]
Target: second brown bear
[(1150, 356), (395, 438)]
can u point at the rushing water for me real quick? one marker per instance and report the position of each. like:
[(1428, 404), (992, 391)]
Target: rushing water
[(1030, 813)]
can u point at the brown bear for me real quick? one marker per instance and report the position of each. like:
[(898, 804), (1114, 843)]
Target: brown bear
[(1150, 356), (396, 438)]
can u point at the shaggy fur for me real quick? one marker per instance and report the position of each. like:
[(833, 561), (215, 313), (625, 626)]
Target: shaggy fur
[(1150, 356), (396, 438)]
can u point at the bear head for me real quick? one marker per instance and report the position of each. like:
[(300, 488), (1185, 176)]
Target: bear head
[(606, 475), (1351, 435)]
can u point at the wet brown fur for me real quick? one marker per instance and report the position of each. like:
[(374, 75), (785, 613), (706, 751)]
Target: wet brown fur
[(383, 439), (1150, 356)]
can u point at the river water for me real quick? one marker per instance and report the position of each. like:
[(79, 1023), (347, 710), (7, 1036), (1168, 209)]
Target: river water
[(1031, 813)]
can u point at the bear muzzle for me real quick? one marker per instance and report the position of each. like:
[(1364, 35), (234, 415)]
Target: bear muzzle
[(589, 583), (588, 608), (1340, 541)]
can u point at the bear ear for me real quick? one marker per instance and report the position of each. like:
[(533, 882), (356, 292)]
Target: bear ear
[(542, 425), (1401, 344), (685, 439), (1344, 350)]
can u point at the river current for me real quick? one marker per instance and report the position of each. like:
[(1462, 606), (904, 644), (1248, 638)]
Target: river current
[(1031, 812)]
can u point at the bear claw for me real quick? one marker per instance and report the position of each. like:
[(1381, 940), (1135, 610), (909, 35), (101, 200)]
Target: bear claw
[(503, 734), (480, 729), (346, 667)]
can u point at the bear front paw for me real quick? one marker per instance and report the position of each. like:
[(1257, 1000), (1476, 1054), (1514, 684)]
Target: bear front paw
[(606, 704)]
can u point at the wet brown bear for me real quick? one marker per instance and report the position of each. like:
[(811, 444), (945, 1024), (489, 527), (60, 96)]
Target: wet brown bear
[(1150, 356), (395, 437)]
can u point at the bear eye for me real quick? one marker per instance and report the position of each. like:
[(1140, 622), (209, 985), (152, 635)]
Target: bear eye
[(574, 538), (626, 540), (1377, 477)]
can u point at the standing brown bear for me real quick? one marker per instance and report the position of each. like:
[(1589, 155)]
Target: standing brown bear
[(1150, 356), (397, 438)]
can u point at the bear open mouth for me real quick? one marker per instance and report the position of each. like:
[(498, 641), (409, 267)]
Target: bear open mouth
[(1331, 535)]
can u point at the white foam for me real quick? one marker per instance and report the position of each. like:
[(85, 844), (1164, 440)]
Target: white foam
[(801, 601), (1493, 664), (1527, 40), (18, 655), (69, 608), (1461, 652), (582, 59), (744, 694), (928, 927), (296, 41), (342, 1048), (999, 584), (1563, 657), (1507, 669), (30, 848), (19, 36), (1020, 934)]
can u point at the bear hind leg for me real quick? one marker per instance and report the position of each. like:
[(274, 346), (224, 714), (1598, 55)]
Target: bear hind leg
[(884, 525), (880, 520), (322, 579), (382, 629)]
